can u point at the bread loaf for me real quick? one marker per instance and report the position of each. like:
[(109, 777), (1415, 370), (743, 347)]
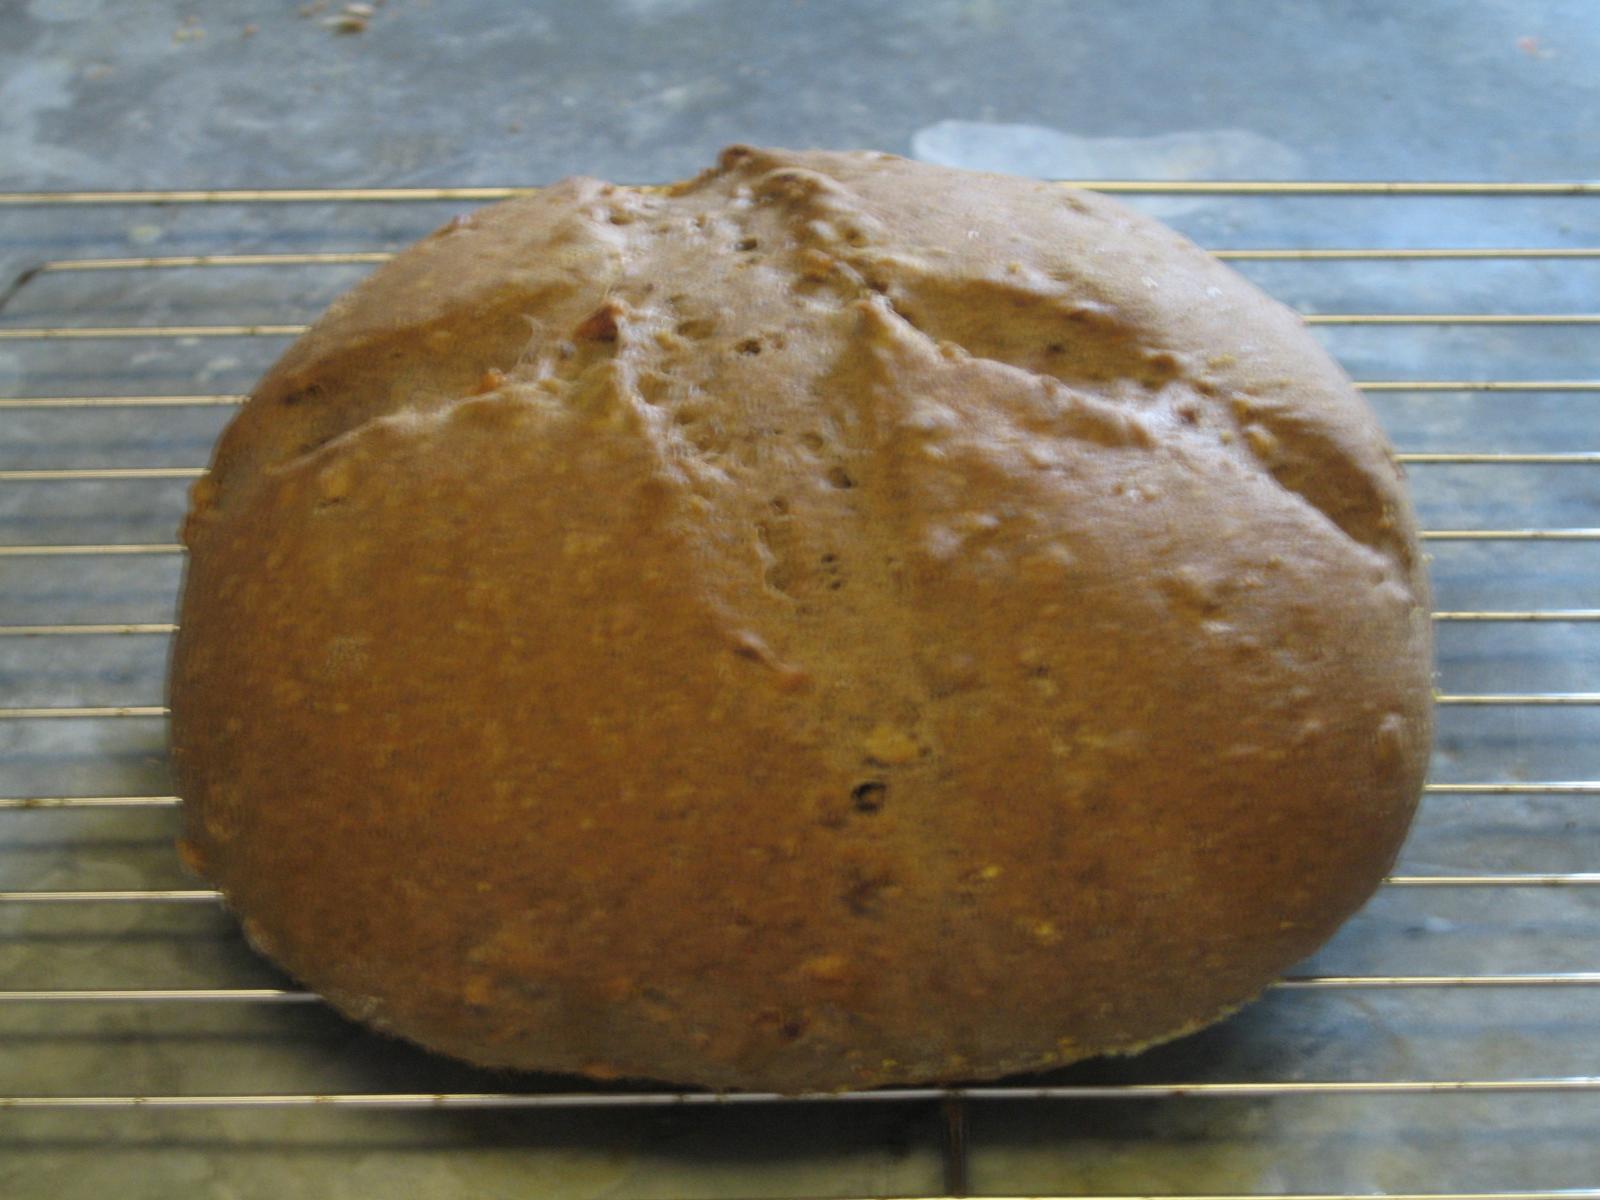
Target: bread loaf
[(836, 621)]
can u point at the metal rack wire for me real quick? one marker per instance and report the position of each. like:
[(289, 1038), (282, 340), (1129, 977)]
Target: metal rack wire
[(954, 1100)]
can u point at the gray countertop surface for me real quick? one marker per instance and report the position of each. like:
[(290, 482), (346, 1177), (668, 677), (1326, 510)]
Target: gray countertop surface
[(98, 94), (230, 94)]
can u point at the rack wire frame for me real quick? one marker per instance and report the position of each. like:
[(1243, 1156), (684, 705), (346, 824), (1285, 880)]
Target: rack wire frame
[(953, 1100)]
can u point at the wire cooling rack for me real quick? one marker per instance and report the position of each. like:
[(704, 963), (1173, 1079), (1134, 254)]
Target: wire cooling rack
[(112, 356)]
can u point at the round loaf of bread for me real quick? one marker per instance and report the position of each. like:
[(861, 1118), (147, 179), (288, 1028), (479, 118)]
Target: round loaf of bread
[(833, 622)]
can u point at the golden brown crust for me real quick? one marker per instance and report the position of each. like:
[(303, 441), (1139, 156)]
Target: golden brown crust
[(841, 621)]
